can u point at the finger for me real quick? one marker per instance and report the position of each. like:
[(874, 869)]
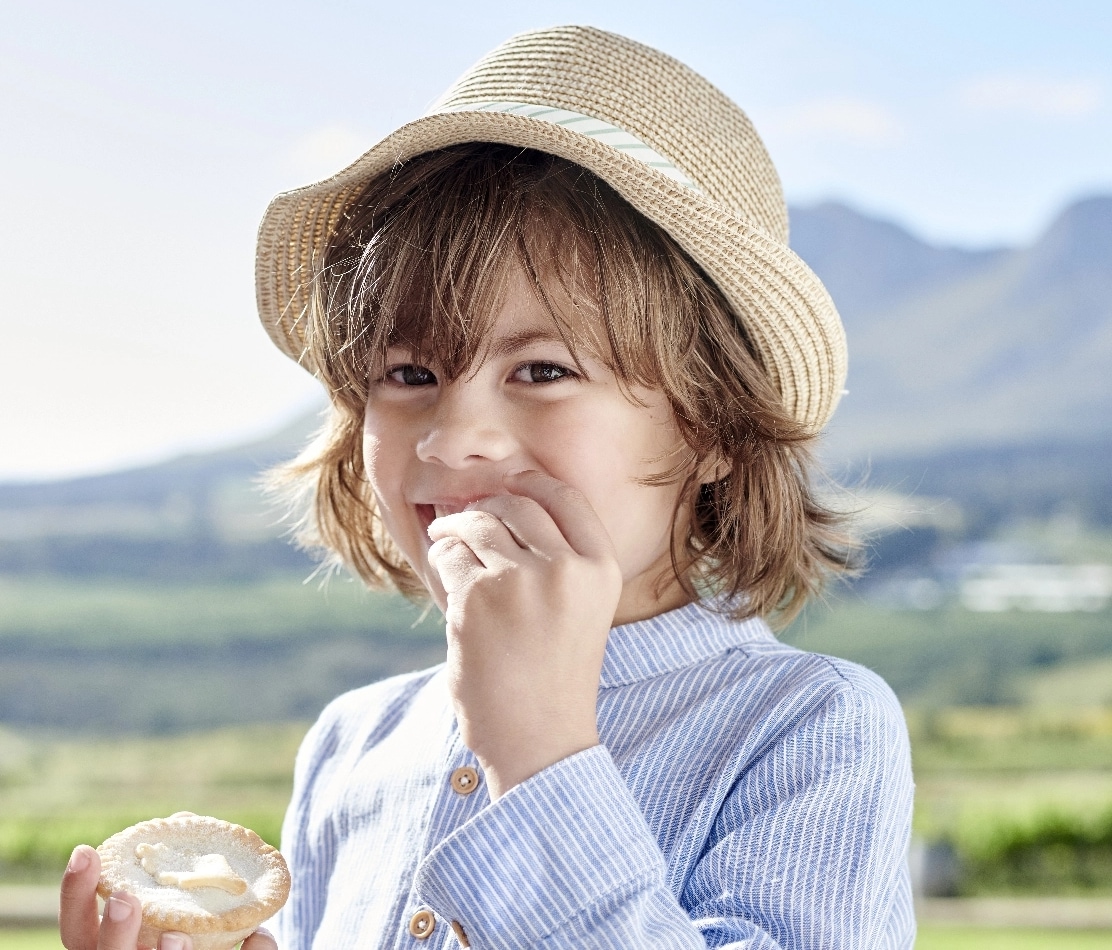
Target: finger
[(175, 941), (77, 903), (530, 526), (488, 538), (454, 562), (119, 925), (568, 507), (261, 939)]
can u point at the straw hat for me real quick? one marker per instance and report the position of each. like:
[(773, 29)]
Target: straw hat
[(670, 143)]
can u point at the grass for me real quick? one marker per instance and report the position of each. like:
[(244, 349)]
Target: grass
[(954, 657), (57, 793), (40, 938), (1004, 938), (1010, 739), (963, 805), (109, 615)]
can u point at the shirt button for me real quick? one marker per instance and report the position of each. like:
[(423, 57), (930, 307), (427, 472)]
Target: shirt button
[(422, 924), (463, 941), (465, 780)]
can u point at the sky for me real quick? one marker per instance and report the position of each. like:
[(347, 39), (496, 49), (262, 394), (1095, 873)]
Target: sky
[(142, 142)]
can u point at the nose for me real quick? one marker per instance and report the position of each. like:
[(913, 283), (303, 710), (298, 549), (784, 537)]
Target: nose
[(467, 427)]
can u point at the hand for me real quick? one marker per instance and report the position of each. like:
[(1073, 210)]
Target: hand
[(532, 585), (83, 929)]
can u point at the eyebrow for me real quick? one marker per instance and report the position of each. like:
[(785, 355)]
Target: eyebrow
[(516, 342)]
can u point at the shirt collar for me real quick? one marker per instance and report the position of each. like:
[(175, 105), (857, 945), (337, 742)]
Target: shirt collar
[(673, 640)]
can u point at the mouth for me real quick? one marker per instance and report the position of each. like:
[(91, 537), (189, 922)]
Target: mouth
[(428, 513)]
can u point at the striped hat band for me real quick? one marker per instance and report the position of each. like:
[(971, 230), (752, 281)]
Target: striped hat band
[(599, 129)]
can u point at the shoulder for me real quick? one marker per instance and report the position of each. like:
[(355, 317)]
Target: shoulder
[(838, 679), (827, 715), (817, 684), (768, 691)]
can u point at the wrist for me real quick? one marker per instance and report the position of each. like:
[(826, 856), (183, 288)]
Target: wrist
[(508, 768)]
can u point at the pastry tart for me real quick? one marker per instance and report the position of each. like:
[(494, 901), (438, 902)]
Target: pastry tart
[(211, 879)]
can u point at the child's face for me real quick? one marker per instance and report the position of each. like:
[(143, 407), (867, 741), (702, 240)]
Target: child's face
[(432, 447)]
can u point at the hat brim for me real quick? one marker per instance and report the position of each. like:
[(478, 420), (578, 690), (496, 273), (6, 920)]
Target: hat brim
[(783, 307)]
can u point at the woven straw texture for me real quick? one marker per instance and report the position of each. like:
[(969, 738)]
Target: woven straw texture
[(734, 222)]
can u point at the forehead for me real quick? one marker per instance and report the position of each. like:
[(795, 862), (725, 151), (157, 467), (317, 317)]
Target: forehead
[(519, 307)]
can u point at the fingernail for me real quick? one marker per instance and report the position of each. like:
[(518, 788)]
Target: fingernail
[(516, 471), (78, 861), (265, 932), (116, 909), (171, 942)]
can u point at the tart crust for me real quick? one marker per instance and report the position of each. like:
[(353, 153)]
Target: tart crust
[(213, 917)]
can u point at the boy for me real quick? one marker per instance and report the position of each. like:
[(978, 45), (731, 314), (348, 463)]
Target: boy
[(575, 373)]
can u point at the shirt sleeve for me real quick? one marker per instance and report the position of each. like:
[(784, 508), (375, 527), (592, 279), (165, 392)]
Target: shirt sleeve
[(808, 850), (310, 867)]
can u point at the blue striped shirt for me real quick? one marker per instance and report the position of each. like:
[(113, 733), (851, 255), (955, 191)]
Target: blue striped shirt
[(745, 794)]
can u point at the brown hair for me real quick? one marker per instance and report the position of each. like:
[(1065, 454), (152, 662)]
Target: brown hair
[(422, 256)]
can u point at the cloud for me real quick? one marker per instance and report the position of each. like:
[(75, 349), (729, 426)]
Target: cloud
[(325, 151), (842, 119), (1031, 96)]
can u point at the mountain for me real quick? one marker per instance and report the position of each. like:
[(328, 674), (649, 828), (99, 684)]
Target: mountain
[(953, 348), (869, 264), (195, 518)]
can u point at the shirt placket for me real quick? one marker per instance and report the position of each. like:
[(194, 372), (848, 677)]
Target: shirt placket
[(462, 795)]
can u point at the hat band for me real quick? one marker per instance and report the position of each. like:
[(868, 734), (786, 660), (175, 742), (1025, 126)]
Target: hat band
[(605, 132)]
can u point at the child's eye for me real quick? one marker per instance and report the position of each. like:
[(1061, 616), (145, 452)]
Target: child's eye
[(410, 375), (542, 373)]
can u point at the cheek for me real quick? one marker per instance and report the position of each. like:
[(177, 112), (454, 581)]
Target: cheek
[(606, 462), (373, 455), (384, 469), (382, 448)]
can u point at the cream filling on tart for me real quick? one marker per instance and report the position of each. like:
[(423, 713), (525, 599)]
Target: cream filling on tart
[(208, 870)]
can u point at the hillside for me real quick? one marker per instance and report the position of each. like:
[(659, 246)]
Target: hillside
[(194, 518), (951, 348)]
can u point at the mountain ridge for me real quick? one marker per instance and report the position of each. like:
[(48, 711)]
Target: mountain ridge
[(963, 348)]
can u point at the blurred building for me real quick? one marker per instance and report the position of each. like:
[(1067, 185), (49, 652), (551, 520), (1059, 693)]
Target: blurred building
[(1051, 588)]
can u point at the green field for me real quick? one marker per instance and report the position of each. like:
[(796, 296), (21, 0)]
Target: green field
[(106, 615), (160, 658), (149, 658), (57, 793), (954, 657), (1006, 938), (39, 939), (988, 780)]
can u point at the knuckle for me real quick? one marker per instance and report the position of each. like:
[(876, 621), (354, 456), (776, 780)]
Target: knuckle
[(442, 546), (567, 567), (478, 517)]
